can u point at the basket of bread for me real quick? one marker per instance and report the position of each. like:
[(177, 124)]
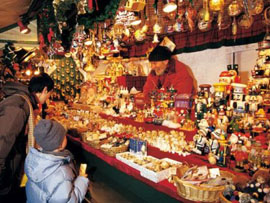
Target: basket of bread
[(199, 183)]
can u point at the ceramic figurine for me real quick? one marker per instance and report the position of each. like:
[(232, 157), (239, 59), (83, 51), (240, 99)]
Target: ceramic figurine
[(200, 107), (222, 121), (219, 95), (214, 144), (240, 155), (254, 101), (237, 101), (200, 142)]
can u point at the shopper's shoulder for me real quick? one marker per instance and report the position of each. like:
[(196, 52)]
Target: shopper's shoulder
[(66, 171), (15, 100)]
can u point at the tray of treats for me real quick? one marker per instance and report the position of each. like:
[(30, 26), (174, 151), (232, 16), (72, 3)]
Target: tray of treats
[(160, 170), (135, 161)]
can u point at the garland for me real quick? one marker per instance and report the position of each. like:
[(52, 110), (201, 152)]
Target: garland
[(62, 8), (61, 18), (47, 20)]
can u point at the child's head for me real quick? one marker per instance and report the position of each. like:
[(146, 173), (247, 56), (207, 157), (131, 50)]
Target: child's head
[(50, 135)]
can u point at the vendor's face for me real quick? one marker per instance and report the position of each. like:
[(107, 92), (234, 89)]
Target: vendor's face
[(159, 66)]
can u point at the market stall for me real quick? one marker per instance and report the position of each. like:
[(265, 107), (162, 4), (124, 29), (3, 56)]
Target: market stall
[(206, 145)]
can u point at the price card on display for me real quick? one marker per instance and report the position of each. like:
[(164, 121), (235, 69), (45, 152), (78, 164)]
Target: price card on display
[(214, 172)]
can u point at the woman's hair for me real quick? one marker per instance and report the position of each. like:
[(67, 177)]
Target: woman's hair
[(37, 83)]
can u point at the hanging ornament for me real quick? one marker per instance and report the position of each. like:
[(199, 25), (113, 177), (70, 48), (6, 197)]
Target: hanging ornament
[(89, 66), (90, 5), (205, 21), (234, 9), (157, 28), (252, 7), (266, 15), (81, 7), (224, 20), (216, 5), (191, 15), (245, 21), (155, 39), (234, 27)]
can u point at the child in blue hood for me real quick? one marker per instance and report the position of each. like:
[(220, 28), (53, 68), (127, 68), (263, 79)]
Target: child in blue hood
[(50, 170)]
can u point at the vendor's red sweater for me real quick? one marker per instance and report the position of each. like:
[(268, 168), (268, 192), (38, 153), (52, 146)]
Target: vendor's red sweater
[(176, 75)]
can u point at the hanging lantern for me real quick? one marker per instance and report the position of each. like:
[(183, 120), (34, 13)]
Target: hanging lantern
[(216, 5)]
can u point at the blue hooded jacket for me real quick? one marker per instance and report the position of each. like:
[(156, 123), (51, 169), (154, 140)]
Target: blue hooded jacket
[(53, 179)]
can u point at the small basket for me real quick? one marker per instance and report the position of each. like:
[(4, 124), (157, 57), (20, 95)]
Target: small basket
[(114, 150), (222, 199), (94, 144), (198, 192)]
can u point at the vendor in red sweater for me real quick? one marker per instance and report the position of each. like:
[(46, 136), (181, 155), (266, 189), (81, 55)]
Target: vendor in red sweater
[(167, 72)]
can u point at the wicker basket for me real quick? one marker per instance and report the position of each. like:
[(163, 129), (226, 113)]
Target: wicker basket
[(222, 199), (95, 144), (114, 150), (200, 193)]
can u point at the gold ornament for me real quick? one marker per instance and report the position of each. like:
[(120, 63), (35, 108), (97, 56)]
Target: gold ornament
[(216, 5)]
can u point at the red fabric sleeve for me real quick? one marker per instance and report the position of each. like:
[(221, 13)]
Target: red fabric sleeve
[(181, 80), (150, 85)]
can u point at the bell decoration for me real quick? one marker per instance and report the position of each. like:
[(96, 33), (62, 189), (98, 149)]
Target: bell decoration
[(157, 28), (155, 39), (89, 67)]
